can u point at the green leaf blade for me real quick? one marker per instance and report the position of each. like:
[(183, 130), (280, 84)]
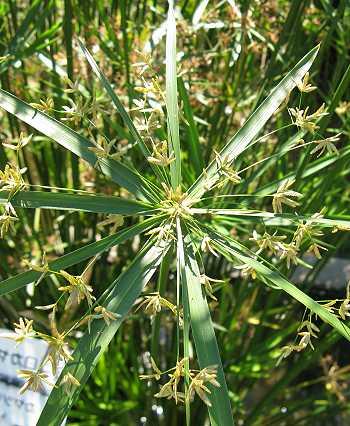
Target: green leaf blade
[(255, 122), (171, 99), (226, 244), (119, 300), (204, 338), (21, 280), (194, 146), (77, 144), (72, 202), (115, 99)]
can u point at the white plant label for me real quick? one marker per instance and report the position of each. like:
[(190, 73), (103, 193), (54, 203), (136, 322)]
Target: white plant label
[(17, 409)]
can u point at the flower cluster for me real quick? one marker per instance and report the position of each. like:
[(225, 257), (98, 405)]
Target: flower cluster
[(207, 283), (226, 172), (160, 156), (78, 290), (305, 339), (11, 180), (154, 302), (335, 377), (304, 121), (307, 232), (46, 105), (198, 382), (285, 195), (326, 144), (58, 347), (18, 144), (7, 219), (308, 329), (149, 111)]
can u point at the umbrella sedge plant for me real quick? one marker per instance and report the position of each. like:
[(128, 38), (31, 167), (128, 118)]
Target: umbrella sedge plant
[(180, 221)]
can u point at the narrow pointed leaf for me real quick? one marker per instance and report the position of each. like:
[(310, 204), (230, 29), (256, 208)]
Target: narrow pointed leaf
[(226, 244), (77, 144), (275, 278), (135, 135), (115, 99), (256, 121), (120, 300), (204, 337), (171, 99), (270, 218), (21, 280), (87, 203)]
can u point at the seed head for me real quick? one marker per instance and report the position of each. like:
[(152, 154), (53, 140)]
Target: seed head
[(7, 221), (34, 380), (198, 384), (156, 372), (305, 121), (267, 241), (46, 105), (18, 144), (68, 382), (23, 330), (283, 196), (105, 314), (206, 246), (11, 180), (154, 303), (78, 290), (290, 253), (206, 282), (326, 144), (304, 85)]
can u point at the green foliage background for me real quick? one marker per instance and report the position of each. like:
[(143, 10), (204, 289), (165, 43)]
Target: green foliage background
[(226, 71)]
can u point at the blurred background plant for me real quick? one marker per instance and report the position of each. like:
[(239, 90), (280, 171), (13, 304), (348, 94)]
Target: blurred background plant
[(231, 54)]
